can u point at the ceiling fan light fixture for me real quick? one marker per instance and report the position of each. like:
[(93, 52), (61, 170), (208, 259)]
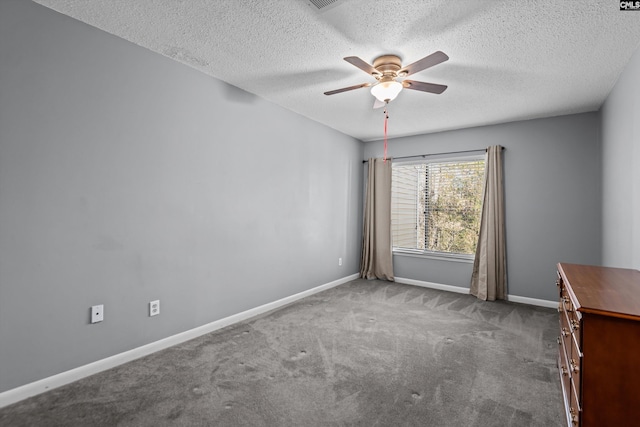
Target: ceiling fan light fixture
[(386, 91)]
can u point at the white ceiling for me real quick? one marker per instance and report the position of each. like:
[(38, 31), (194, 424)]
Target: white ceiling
[(509, 60)]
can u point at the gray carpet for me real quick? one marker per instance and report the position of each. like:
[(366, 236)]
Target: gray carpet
[(367, 353)]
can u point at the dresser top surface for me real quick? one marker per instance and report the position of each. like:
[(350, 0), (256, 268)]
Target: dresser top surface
[(604, 290)]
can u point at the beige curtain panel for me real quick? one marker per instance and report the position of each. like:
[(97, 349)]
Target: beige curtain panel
[(489, 277), (377, 261)]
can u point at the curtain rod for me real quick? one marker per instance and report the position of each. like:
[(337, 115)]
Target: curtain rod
[(437, 154)]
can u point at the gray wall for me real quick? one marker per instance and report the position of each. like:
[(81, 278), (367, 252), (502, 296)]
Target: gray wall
[(552, 191), (126, 177), (621, 170)]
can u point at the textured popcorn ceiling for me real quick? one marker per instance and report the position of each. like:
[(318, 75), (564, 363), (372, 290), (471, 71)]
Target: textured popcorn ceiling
[(509, 60)]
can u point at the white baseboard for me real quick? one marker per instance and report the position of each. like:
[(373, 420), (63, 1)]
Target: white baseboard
[(28, 390), (460, 290), (432, 285), (533, 301)]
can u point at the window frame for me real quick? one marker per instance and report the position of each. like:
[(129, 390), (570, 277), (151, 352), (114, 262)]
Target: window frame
[(429, 254)]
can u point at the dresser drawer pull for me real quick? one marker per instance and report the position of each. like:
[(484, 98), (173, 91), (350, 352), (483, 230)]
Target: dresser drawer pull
[(565, 333), (574, 416), (575, 325), (574, 366), (566, 301), (559, 340), (564, 371)]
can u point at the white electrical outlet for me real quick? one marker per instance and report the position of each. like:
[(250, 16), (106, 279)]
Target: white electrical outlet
[(97, 313), (339, 261), (154, 308)]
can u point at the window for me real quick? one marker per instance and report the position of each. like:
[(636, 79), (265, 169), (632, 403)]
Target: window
[(436, 205)]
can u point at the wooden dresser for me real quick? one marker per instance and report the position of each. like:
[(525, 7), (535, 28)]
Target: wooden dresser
[(599, 345)]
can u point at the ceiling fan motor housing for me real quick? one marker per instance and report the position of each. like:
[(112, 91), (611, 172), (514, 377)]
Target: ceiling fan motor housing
[(388, 65)]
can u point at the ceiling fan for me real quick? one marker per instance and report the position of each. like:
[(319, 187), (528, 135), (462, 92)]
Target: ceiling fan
[(386, 69)]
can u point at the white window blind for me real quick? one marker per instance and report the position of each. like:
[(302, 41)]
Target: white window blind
[(436, 205)]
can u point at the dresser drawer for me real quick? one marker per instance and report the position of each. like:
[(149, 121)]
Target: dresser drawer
[(565, 331), (573, 317), (575, 412), (565, 379), (575, 366), (565, 369)]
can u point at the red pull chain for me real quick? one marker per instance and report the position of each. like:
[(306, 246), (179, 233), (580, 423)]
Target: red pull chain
[(386, 118)]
